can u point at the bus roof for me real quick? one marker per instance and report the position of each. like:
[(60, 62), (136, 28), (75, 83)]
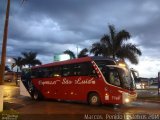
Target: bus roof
[(77, 60)]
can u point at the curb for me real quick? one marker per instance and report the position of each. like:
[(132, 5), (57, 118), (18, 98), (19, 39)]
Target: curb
[(154, 101)]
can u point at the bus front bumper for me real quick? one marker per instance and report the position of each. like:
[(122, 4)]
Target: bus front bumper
[(127, 98)]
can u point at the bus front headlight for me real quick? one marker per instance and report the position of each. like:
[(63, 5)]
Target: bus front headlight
[(127, 100)]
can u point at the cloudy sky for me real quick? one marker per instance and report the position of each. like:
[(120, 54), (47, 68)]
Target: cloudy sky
[(51, 26)]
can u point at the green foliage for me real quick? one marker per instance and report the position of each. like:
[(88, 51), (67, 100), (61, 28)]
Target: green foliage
[(19, 62), (114, 45), (70, 53), (9, 115), (82, 53), (29, 58)]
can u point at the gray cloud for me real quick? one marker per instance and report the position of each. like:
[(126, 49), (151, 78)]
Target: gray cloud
[(52, 26)]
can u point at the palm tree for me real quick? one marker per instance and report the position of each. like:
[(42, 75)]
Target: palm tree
[(29, 58), (99, 49), (114, 45), (19, 62), (82, 53), (7, 68), (70, 53)]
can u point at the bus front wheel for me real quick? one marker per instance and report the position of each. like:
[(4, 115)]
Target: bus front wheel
[(94, 99)]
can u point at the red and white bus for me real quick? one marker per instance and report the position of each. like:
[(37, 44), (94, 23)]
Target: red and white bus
[(93, 80)]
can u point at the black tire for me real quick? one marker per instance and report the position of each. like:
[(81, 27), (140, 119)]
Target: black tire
[(30, 88), (37, 95), (94, 99)]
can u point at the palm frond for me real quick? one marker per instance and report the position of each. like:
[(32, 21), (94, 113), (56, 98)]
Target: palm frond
[(70, 53), (106, 41), (133, 48), (112, 31), (130, 52), (121, 36), (83, 53), (29, 58), (96, 49)]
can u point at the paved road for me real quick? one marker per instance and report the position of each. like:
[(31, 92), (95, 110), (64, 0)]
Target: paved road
[(30, 109)]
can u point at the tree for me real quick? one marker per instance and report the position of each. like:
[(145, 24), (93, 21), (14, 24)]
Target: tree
[(82, 53), (7, 68), (19, 62), (114, 45), (70, 53), (29, 58), (99, 49)]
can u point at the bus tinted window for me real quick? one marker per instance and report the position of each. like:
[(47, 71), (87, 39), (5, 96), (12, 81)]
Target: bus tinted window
[(57, 71), (105, 62), (79, 69), (47, 72), (37, 73), (67, 70), (83, 69)]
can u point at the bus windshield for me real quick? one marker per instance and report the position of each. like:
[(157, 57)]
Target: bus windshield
[(118, 77), (127, 79)]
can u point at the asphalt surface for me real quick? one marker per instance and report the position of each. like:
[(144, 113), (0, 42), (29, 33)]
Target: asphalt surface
[(28, 109)]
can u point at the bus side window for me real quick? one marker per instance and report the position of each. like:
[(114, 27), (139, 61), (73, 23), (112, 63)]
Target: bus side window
[(45, 73), (57, 71), (40, 73), (33, 74), (84, 69), (66, 70), (105, 72), (48, 72), (76, 69), (90, 70), (51, 70)]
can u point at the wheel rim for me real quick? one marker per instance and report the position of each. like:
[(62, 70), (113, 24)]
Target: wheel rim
[(94, 100), (35, 95), (30, 87)]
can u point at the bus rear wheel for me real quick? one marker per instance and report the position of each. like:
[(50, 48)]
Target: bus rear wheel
[(94, 99), (37, 95)]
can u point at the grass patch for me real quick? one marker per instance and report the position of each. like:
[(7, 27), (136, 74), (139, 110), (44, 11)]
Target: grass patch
[(157, 98), (148, 89), (9, 115)]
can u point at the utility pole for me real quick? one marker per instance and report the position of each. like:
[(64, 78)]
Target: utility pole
[(77, 50), (158, 83), (3, 55)]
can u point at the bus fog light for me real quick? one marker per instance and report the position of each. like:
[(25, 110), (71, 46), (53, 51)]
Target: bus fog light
[(127, 100), (106, 96)]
